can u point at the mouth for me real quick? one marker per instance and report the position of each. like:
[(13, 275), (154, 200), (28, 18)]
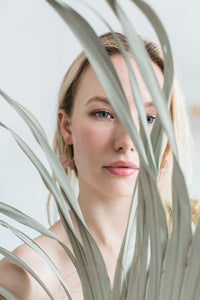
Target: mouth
[(122, 168)]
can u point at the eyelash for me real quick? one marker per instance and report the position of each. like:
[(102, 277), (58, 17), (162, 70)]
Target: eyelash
[(150, 116), (97, 113)]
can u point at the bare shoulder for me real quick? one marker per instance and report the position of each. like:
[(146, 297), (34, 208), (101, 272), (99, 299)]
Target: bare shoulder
[(11, 277), (24, 286)]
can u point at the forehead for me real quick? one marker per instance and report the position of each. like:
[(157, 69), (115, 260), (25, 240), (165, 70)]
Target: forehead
[(89, 85)]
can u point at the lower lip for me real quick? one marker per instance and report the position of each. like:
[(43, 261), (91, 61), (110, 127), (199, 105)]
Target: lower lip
[(121, 171)]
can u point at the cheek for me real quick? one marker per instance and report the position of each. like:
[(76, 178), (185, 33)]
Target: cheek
[(90, 140)]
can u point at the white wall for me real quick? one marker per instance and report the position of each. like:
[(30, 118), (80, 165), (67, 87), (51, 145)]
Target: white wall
[(36, 48)]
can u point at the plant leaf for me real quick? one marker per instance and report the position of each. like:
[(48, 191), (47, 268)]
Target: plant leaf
[(147, 72), (191, 281), (178, 245), (157, 131), (138, 276)]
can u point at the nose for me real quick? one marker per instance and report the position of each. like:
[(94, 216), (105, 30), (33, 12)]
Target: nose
[(122, 141)]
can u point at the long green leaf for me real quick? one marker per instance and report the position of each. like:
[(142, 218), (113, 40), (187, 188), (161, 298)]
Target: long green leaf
[(53, 160), (95, 267), (178, 245), (191, 280), (126, 252), (157, 131), (157, 231), (165, 45), (147, 72), (138, 272), (47, 179)]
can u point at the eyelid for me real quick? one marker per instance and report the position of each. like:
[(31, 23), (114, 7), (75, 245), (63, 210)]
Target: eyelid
[(113, 115), (103, 110), (151, 115)]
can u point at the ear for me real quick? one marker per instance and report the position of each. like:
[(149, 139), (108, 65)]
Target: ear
[(65, 126)]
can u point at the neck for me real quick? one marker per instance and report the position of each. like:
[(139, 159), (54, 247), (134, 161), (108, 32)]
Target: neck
[(105, 216)]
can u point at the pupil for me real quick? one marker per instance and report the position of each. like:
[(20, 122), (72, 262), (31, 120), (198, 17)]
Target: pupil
[(150, 120), (103, 114)]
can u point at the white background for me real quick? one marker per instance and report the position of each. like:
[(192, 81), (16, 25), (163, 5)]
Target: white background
[(36, 48)]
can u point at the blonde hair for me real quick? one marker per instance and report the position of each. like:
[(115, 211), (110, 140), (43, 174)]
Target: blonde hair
[(180, 122)]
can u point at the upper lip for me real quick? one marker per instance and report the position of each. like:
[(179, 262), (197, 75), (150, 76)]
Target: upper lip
[(125, 164)]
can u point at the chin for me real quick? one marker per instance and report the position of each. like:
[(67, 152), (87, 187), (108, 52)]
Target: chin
[(119, 192)]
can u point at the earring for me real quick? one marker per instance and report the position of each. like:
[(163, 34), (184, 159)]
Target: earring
[(66, 163)]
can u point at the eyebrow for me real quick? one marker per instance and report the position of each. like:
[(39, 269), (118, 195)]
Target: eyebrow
[(105, 100), (149, 104), (98, 99)]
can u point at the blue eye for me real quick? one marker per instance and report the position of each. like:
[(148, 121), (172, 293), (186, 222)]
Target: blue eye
[(150, 119), (102, 114)]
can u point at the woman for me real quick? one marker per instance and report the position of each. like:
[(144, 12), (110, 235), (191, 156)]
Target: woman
[(92, 144)]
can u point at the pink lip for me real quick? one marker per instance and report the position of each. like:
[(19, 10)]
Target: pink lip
[(122, 168)]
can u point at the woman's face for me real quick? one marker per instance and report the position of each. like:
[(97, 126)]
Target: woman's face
[(105, 156)]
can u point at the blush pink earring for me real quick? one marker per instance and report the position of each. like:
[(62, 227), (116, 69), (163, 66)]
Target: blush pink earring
[(66, 163)]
